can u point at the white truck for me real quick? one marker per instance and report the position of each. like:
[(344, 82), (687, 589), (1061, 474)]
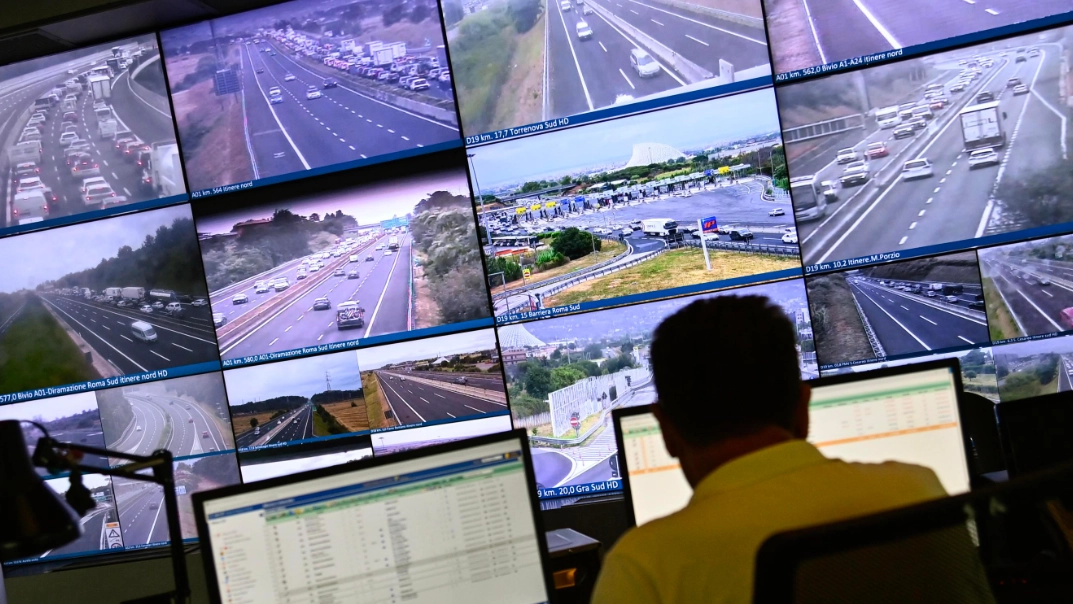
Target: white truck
[(101, 86), (164, 169), (29, 207), (113, 292), (393, 243), (107, 128), (26, 151), (981, 126), (133, 293), (87, 293), (73, 87), (659, 227)]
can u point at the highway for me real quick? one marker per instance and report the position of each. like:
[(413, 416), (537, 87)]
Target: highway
[(589, 74), (487, 381), (1036, 308), (908, 323), (956, 203), (845, 29), (414, 401), (342, 125), (275, 321), (1065, 367), (141, 512), (134, 111), (295, 425), (92, 538), (106, 328), (189, 427)]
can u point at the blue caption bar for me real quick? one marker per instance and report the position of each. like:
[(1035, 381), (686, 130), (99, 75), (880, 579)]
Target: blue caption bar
[(588, 488), (110, 382)]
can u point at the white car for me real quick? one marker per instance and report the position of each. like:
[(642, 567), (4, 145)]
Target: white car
[(789, 237), (100, 193), (260, 288), (273, 91), (93, 181), (857, 173), (199, 302), (218, 319), (313, 93), (146, 309), (1020, 89), (68, 137), (777, 212), (565, 6), (643, 63), (917, 168), (289, 77), (584, 32), (983, 157), (846, 156), (387, 252), (586, 10), (239, 299)]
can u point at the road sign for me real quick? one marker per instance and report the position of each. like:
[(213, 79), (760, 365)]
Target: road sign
[(112, 535), (575, 423), (227, 82), (180, 489), (709, 225), (526, 273)]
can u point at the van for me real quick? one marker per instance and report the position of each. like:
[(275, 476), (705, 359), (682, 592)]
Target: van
[(143, 331), (174, 309)]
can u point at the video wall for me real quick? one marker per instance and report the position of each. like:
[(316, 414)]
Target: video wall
[(311, 233)]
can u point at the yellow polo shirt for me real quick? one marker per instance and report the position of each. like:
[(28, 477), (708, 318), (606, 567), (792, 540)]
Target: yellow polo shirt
[(706, 551)]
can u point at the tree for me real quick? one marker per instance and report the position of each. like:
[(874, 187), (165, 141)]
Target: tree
[(420, 13), (1041, 197), (253, 422), (538, 381), (393, 15), (575, 243), (524, 13), (594, 351), (564, 376), (1001, 371), (452, 12)]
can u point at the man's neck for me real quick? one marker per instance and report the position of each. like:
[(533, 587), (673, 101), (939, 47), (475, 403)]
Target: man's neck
[(699, 462)]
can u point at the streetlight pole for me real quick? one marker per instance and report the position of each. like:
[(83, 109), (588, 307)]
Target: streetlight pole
[(480, 197)]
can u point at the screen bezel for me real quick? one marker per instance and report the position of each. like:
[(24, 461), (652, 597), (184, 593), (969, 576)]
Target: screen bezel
[(1011, 432), (517, 435)]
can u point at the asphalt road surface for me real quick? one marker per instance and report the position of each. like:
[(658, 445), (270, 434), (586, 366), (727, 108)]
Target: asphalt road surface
[(134, 111), (413, 402), (383, 290), (488, 381), (1065, 367), (295, 425), (141, 513), (190, 427), (106, 328), (91, 538), (956, 202), (1036, 308), (908, 323), (341, 126), (589, 74), (845, 29)]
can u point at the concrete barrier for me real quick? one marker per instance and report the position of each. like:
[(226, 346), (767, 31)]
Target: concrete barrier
[(691, 71), (482, 393), (725, 15)]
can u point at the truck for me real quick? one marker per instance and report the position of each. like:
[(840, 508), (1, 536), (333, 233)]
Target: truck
[(29, 207), (107, 127), (383, 56), (73, 87), (398, 49), (113, 63), (43, 104), (26, 151), (393, 243), (133, 294), (349, 314), (952, 289), (86, 293), (113, 292), (101, 87), (164, 171), (981, 127), (659, 227)]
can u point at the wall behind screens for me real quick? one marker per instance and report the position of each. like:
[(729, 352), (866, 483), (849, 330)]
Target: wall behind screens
[(413, 223)]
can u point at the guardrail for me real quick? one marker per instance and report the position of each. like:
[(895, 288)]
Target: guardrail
[(725, 15), (643, 257), (869, 332), (776, 250), (518, 290), (482, 393)]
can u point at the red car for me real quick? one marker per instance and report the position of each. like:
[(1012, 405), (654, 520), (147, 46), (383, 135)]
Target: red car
[(1067, 318), (875, 150)]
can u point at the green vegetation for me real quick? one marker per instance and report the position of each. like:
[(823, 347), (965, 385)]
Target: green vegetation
[(167, 260), (442, 229), (836, 324), (36, 352), (532, 381), (575, 243), (324, 424), (373, 405), (978, 374), (1037, 379), (954, 268), (1041, 198), (277, 406), (1000, 322), (116, 413)]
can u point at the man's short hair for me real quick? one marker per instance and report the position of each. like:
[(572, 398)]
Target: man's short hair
[(727, 366)]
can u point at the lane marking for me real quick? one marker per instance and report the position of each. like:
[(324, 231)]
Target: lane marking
[(627, 79), (570, 44), (991, 11), (656, 22), (696, 40), (160, 355), (602, 46), (879, 26), (180, 346), (725, 31), (966, 339), (930, 321), (899, 323)]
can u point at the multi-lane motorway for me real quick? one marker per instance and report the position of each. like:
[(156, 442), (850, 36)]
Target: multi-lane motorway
[(956, 203), (167, 422), (908, 323), (413, 400), (141, 512), (107, 329), (493, 381), (275, 321), (1036, 294), (295, 425), (588, 74), (341, 125), (92, 538), (845, 29), (137, 112)]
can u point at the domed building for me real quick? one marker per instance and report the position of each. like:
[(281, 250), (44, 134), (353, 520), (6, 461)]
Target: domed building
[(645, 154)]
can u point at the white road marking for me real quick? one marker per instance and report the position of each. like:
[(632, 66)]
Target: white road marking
[(602, 46), (921, 213), (160, 355), (696, 40), (879, 26), (183, 347), (126, 338), (656, 22), (991, 11), (903, 240), (930, 321), (627, 79)]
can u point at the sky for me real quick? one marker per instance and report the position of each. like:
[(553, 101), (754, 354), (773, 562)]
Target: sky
[(34, 258), (368, 204), (463, 429), (261, 471), (92, 481), (427, 349), (51, 408), (595, 146), (296, 377)]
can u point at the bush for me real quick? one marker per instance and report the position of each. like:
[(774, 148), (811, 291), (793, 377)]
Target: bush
[(574, 243), (550, 259)]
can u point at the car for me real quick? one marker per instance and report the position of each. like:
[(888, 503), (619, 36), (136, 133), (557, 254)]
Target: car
[(857, 173), (387, 252), (789, 237), (1020, 89), (1012, 82), (70, 116), (124, 303), (931, 293), (240, 299), (461, 380), (158, 305), (329, 83), (353, 275), (917, 123), (738, 234), (313, 93), (777, 212), (260, 288), (643, 63), (121, 141), (199, 302), (67, 138), (322, 303), (904, 132), (985, 96), (26, 170), (952, 299), (289, 77), (174, 309), (1020, 59), (586, 10), (259, 70), (276, 99), (205, 434), (281, 284), (875, 150), (584, 32), (976, 305), (369, 258), (273, 91), (82, 165), (145, 308), (339, 273), (957, 87), (983, 157), (565, 6), (1044, 282), (100, 193), (418, 84), (218, 319), (917, 168), (845, 156)]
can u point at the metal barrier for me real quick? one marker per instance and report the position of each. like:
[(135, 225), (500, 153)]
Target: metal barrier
[(519, 290), (776, 250)]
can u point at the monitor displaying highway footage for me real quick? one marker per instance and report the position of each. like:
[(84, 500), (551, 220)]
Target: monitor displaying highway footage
[(1034, 368), (453, 528), (566, 374), (71, 418), (1029, 288), (904, 308), (384, 260), (927, 154), (142, 516), (86, 131), (910, 417), (530, 61), (435, 380), (810, 33), (978, 373), (101, 530), (262, 464), (397, 441), (299, 400), (304, 85), (119, 296), (186, 415), (581, 217)]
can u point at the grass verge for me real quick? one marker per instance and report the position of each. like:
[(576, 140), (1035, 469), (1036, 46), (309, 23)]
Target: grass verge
[(837, 326), (1025, 384), (375, 407), (1000, 322), (609, 249), (36, 352), (352, 414), (676, 268), (525, 103)]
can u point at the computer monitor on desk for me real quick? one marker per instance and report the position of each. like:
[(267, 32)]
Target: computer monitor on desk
[(908, 414), (448, 524)]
